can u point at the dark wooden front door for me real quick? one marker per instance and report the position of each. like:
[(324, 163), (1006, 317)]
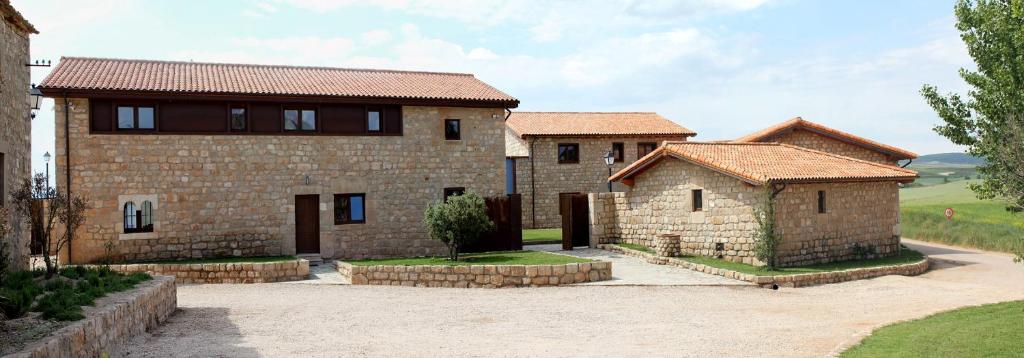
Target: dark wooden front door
[(307, 224), (575, 213)]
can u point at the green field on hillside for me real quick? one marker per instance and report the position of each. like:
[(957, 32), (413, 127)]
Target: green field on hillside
[(932, 174), (983, 224)]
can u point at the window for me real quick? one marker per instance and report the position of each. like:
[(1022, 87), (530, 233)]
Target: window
[(299, 120), (130, 223), (510, 176), (821, 201), (698, 199), (138, 219), (452, 129), (617, 152), (568, 153), (373, 120), (238, 119), (455, 191), (349, 209), (129, 117), (643, 149)]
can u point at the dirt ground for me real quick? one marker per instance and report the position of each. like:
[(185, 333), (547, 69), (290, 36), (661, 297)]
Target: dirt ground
[(669, 321)]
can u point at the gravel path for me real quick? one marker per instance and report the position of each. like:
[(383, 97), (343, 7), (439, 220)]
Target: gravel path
[(675, 321), (628, 270)]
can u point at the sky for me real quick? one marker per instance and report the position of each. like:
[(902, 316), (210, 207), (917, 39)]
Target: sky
[(722, 68)]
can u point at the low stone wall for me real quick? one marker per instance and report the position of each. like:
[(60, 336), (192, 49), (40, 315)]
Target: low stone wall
[(251, 272), (114, 320), (799, 280), (476, 276)]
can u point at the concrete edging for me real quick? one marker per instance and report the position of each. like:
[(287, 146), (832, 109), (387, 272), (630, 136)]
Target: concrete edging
[(476, 276), (114, 320), (798, 280), (242, 272)]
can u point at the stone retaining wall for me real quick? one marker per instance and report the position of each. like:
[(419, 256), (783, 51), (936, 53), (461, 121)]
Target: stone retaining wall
[(800, 280), (114, 320), (250, 272), (476, 276)]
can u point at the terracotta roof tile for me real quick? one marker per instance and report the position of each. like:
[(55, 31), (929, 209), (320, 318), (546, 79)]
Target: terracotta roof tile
[(761, 163), (102, 74), (766, 135), (593, 124)]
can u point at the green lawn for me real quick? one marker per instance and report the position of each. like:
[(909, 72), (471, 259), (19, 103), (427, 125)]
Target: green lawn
[(984, 331), (636, 247), (226, 260), (484, 258), (537, 235), (983, 224)]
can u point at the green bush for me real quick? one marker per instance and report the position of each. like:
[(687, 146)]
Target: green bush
[(64, 295), (767, 240), (460, 220)]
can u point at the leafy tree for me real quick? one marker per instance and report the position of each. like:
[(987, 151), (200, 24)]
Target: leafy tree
[(44, 207), (990, 120), (460, 220), (767, 239)]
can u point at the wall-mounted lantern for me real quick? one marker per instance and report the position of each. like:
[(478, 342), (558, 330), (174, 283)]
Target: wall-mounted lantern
[(35, 99)]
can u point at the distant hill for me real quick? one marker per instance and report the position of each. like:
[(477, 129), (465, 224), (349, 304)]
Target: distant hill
[(955, 159)]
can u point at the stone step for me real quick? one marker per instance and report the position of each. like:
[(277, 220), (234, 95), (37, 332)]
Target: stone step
[(314, 259)]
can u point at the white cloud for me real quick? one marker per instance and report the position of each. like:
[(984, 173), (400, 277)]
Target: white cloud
[(266, 7), (681, 9), (481, 53), (376, 37)]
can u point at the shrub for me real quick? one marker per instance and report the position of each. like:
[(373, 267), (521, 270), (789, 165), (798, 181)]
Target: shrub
[(458, 221), (767, 240)]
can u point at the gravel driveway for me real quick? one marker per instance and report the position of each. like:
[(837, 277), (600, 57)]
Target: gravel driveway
[(341, 320)]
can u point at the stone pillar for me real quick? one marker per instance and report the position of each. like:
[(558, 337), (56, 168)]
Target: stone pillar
[(666, 245)]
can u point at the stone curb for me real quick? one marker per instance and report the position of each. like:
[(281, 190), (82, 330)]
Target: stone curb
[(476, 276), (242, 272), (798, 280), (114, 321)]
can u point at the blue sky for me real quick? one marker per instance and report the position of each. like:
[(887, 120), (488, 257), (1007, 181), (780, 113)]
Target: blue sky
[(722, 68)]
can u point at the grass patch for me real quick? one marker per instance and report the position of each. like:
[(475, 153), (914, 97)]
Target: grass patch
[(984, 331), (483, 258), (636, 247), (61, 298), (982, 224), (225, 260), (542, 235)]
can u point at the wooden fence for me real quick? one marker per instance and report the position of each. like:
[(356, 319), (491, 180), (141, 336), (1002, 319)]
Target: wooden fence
[(507, 215)]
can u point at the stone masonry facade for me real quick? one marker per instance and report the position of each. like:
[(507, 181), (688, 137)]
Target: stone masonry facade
[(15, 132), (590, 175), (811, 140), (476, 276), (234, 195), (862, 215)]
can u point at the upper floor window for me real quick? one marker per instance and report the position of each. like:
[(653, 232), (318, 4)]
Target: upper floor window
[(239, 120), (643, 149), (131, 117), (821, 201), (617, 152), (299, 120), (452, 129), (138, 219), (454, 191), (568, 153), (349, 209), (373, 120)]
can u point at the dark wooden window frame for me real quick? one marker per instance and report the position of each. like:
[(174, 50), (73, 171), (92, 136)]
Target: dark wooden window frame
[(380, 119), (135, 113), (339, 219), (231, 124), (618, 151), (455, 190), (569, 160), (137, 217), (639, 148), (697, 200), (299, 109), (458, 130), (821, 202)]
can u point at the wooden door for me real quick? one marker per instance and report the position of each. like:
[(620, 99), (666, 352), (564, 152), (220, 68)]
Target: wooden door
[(575, 220), (307, 224)]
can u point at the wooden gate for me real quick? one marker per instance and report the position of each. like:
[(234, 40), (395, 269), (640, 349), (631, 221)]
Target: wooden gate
[(307, 224), (575, 213), (507, 215)]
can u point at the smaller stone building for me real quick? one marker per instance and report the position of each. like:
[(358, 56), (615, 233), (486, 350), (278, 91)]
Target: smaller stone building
[(549, 153), (807, 134), (828, 207)]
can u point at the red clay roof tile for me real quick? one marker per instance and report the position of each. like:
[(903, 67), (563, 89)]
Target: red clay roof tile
[(766, 135), (594, 124)]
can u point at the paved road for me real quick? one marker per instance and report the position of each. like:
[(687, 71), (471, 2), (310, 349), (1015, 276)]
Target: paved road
[(670, 321), (628, 270)]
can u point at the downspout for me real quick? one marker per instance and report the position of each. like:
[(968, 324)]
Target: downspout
[(67, 162), (911, 160), (533, 185)]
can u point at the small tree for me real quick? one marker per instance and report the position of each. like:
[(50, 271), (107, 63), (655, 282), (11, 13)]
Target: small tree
[(28, 201), (5, 228), (460, 220), (766, 238)]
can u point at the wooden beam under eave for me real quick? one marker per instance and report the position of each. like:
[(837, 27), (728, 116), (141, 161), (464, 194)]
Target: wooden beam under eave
[(628, 181)]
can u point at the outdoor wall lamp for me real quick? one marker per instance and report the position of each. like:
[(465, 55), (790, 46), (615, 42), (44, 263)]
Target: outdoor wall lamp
[(35, 98), (609, 159)]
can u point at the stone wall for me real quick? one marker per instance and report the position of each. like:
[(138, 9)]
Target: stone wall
[(15, 132), (590, 175), (112, 322), (235, 194), (247, 272), (807, 139), (476, 276), (660, 202)]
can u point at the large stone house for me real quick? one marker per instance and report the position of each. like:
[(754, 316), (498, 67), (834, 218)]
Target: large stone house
[(807, 134), (15, 123), (828, 207), (184, 159), (549, 153)]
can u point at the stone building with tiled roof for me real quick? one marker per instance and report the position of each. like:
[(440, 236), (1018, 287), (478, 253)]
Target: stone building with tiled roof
[(550, 153), (195, 160), (829, 207), (804, 133)]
